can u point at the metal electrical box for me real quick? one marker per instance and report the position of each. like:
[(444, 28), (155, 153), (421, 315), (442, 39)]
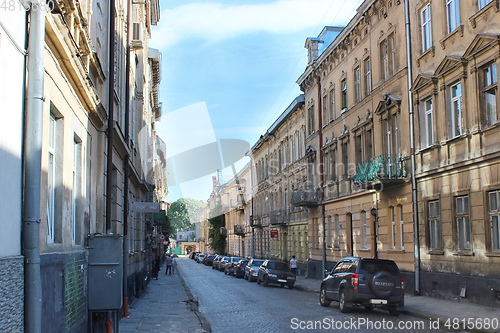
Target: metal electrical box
[(105, 272)]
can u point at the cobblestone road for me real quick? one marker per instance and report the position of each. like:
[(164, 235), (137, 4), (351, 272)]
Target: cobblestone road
[(236, 305)]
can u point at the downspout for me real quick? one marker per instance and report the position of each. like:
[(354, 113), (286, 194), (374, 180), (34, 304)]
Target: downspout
[(125, 162), (321, 181), (32, 158), (412, 150), (111, 120)]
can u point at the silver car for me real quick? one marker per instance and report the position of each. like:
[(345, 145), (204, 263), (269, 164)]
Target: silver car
[(230, 265), (252, 269)]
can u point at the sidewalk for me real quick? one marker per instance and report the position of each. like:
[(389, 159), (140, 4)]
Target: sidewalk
[(425, 307), (167, 305)]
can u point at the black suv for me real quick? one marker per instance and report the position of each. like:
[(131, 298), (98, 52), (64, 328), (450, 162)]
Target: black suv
[(367, 282)]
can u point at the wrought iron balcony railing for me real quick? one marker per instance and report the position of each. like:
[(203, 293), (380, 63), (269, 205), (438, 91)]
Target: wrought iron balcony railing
[(277, 217), (382, 169), (308, 197)]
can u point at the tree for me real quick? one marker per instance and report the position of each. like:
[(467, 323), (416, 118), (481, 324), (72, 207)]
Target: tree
[(217, 221), (182, 214)]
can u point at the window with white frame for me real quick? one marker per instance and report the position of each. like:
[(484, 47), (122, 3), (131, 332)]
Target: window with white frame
[(463, 222), (434, 224), (336, 239), (367, 77), (425, 27), (489, 93), (332, 104), (310, 120), (494, 214), (364, 241), (401, 228), (393, 226), (483, 3), (388, 56), (324, 113), (51, 179), (343, 85), (452, 14), (297, 146), (357, 84), (455, 112), (427, 132)]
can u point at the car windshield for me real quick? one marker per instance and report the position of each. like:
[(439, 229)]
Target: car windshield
[(375, 266), (279, 266), (226, 259), (236, 259), (257, 262), (243, 263)]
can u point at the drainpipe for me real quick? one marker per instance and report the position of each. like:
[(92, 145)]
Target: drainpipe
[(412, 150), (111, 120), (32, 171), (321, 180), (125, 162)]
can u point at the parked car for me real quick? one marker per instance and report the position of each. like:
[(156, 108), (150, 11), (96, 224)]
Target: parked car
[(216, 261), (222, 263), (252, 269), (193, 254), (276, 272), (209, 259), (239, 268), (367, 282), (200, 257), (228, 269)]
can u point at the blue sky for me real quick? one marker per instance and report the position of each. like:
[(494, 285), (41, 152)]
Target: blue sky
[(235, 62)]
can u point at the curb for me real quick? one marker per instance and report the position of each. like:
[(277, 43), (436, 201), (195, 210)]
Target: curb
[(192, 302)]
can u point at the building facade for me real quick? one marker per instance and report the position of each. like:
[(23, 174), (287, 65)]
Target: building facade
[(455, 48)]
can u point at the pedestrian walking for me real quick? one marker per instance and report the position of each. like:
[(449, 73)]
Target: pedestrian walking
[(293, 265), (156, 269), (174, 263), (168, 261)]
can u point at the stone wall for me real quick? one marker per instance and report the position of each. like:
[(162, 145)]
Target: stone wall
[(12, 294)]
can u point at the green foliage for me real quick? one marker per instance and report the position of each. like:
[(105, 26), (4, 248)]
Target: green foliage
[(182, 214), (217, 221)]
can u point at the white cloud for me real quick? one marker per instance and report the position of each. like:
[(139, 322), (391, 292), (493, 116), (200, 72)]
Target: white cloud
[(214, 22)]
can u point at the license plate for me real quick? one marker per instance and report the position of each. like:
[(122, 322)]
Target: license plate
[(282, 280), (378, 301)]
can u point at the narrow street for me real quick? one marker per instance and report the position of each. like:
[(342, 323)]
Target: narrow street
[(231, 304)]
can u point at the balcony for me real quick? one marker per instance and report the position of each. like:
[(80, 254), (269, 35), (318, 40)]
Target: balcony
[(256, 221), (239, 230), (305, 197), (381, 171), (277, 217)]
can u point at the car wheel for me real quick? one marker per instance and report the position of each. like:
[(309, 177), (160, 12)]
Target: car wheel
[(343, 306), (282, 285), (250, 278), (393, 311), (258, 280), (323, 300), (265, 281), (290, 287)]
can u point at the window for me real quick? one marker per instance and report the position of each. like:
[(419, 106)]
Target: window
[(363, 230), (494, 212), (452, 14), (343, 85), (388, 56), (336, 239), (455, 116), (425, 22), (332, 104), (324, 114), (463, 223), (333, 165), (434, 225), (345, 159), (51, 179), (330, 236), (401, 228), (357, 84), (490, 94), (297, 147), (392, 134), (368, 145), (77, 176), (359, 150), (367, 77), (393, 227), (427, 132), (310, 120), (483, 3)]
